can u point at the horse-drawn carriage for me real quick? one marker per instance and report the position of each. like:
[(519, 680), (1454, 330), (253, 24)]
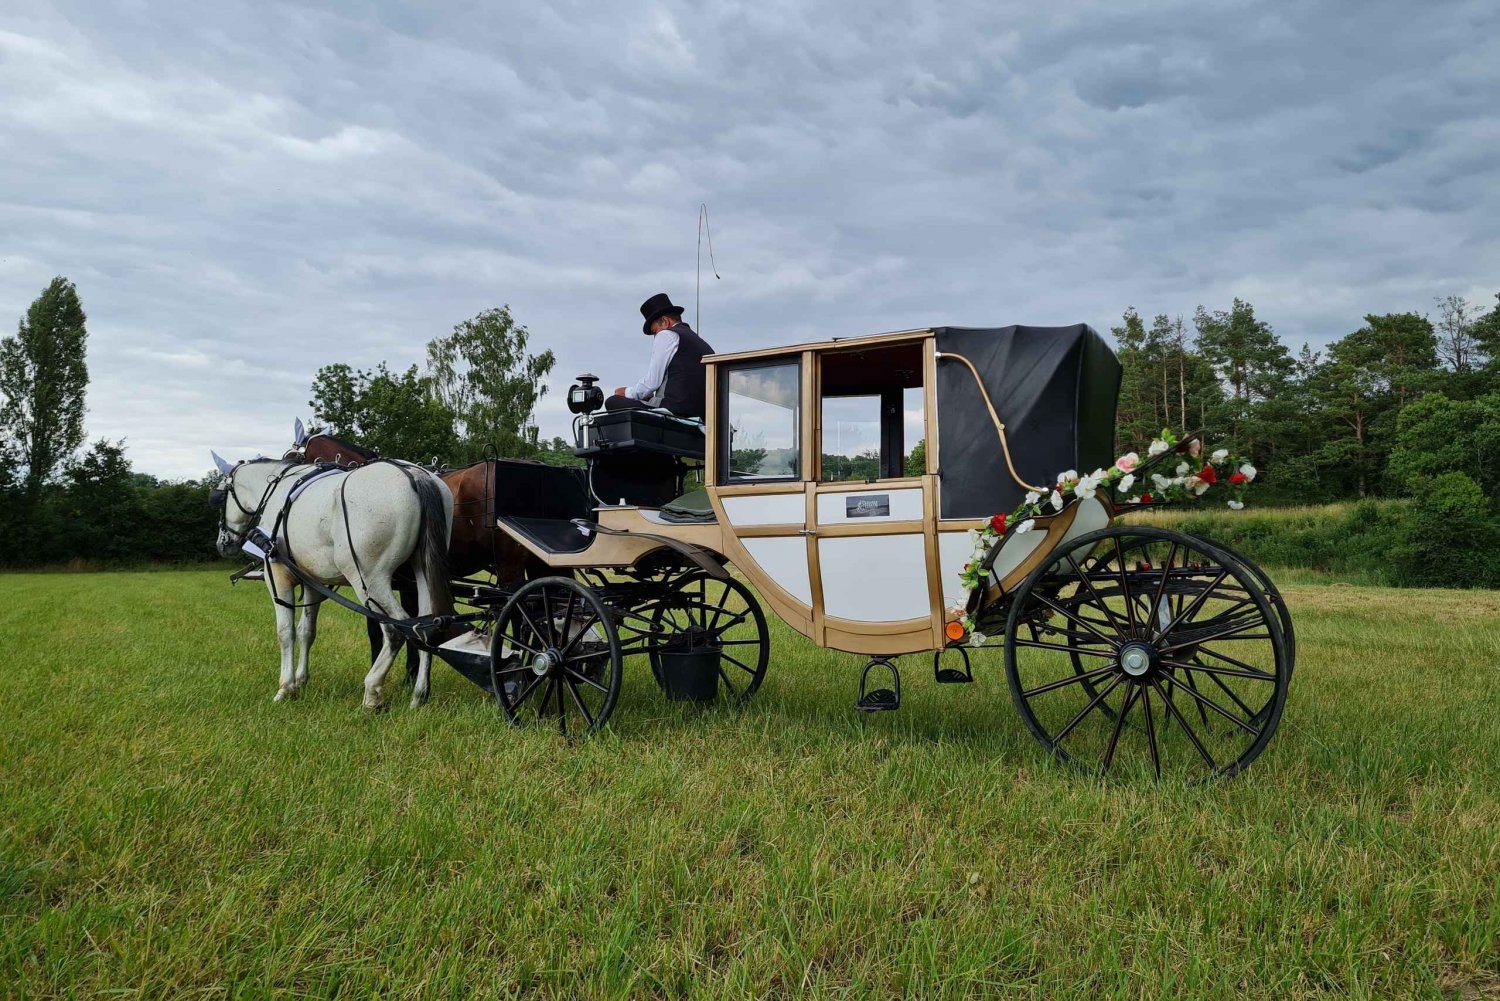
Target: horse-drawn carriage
[(1117, 640)]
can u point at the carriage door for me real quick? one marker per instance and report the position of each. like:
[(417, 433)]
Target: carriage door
[(873, 516), (760, 471)]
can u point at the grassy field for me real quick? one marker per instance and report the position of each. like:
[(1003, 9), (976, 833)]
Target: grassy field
[(165, 830)]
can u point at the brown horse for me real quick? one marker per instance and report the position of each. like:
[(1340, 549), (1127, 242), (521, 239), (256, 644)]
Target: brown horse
[(475, 546)]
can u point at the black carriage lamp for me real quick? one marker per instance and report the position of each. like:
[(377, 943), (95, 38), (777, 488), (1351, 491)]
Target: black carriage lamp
[(583, 396)]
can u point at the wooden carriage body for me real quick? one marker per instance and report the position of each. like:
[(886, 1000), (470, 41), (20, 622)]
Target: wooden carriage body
[(860, 553)]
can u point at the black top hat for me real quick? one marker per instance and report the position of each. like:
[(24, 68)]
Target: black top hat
[(657, 306)]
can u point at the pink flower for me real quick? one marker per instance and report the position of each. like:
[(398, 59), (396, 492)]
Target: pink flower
[(1126, 463)]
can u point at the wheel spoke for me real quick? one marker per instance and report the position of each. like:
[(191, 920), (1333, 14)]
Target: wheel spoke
[(735, 660), (578, 701), (1070, 616), (1197, 602), (1227, 659), (1125, 585), (1114, 737), (525, 693), (562, 711), (1151, 732), (1211, 704), (1193, 684), (1225, 671), (1073, 680), (593, 621), (580, 676), (541, 638), (1249, 715), (1161, 588), (1088, 584), (727, 683), (1097, 699), (1037, 644), (548, 617), (1173, 711)]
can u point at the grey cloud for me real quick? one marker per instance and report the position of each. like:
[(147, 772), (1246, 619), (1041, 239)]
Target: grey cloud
[(245, 192)]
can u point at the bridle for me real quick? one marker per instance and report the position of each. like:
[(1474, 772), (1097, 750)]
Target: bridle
[(221, 497)]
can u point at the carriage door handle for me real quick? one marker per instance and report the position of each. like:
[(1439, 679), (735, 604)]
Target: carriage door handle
[(807, 531)]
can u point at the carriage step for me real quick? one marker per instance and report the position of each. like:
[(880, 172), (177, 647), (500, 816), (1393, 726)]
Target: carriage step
[(878, 700), (952, 675)]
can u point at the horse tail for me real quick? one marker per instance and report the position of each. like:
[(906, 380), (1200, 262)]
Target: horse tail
[(430, 559)]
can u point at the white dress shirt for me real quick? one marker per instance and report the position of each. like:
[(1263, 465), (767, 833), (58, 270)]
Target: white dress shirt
[(663, 348)]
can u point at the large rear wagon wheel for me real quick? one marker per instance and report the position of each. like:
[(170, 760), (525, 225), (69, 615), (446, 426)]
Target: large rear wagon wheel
[(1141, 648), (556, 657)]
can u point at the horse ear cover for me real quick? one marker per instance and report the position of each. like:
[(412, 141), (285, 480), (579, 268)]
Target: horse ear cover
[(224, 467)]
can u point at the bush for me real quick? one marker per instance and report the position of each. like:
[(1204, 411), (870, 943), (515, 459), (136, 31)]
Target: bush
[(1449, 538)]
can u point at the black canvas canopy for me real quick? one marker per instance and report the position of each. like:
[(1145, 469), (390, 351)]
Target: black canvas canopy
[(1055, 389)]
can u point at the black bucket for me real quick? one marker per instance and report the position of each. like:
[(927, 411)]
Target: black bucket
[(690, 675)]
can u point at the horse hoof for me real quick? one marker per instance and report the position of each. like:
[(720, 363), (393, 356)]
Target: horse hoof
[(282, 695), (417, 702)]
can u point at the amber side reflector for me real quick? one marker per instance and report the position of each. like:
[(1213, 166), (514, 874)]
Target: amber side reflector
[(955, 630)]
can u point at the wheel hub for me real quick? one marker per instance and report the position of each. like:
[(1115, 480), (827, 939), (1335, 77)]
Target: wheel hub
[(1138, 659), (544, 662)]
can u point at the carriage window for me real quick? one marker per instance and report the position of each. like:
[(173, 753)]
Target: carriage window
[(762, 418), (873, 415)]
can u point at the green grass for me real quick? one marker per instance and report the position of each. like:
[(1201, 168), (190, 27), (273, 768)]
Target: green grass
[(166, 830)]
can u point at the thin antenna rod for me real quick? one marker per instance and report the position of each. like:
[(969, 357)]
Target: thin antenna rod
[(698, 287)]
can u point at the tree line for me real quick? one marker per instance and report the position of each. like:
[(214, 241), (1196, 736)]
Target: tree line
[(1379, 412), (1407, 405)]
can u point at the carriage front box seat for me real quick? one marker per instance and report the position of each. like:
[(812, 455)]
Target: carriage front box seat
[(540, 502), (650, 431)]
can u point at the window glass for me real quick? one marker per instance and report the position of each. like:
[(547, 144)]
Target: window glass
[(851, 438), (853, 446), (763, 422)]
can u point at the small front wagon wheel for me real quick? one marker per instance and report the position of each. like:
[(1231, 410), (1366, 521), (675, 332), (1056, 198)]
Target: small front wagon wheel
[(556, 657), (1141, 648)]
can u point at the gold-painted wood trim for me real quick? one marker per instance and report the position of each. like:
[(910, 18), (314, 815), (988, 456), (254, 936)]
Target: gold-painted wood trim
[(849, 486), (961, 524), (810, 444), (711, 425), (934, 561), (1056, 526), (815, 566), (766, 531), (838, 345), (855, 529), (929, 393), (757, 489), (911, 636)]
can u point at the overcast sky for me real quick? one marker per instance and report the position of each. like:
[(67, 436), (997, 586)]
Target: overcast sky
[(246, 191)]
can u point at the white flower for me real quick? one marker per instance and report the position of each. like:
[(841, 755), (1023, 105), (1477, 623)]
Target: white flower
[(977, 638), (1249, 472), (1127, 481), (1136, 499), (1236, 505), (1067, 477), (1161, 481), (1157, 447), (1199, 487), (1032, 497), (1087, 486), (1220, 455), (1182, 469), (1025, 526), (975, 539), (1056, 501)]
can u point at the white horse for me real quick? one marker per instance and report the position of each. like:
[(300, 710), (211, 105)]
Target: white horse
[(352, 528)]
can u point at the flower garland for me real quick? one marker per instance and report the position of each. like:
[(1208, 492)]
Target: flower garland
[(1192, 478)]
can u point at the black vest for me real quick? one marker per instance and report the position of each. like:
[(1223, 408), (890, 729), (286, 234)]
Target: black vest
[(685, 388)]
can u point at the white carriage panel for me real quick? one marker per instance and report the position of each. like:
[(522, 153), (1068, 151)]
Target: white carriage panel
[(1014, 552), (954, 550), (874, 578), (1091, 517), (783, 560), (766, 509), (874, 505)]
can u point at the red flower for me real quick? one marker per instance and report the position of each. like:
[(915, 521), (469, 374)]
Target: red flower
[(1237, 478), (1207, 475), (1145, 498), (998, 524)]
